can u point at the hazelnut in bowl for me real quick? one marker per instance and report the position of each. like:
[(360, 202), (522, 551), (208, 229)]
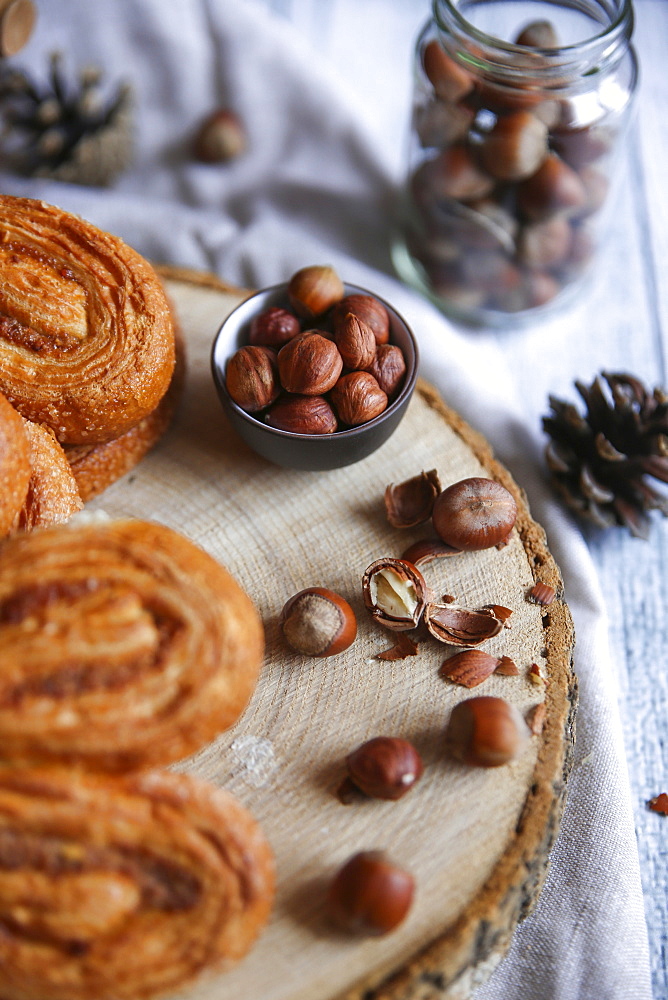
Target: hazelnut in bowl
[(314, 374)]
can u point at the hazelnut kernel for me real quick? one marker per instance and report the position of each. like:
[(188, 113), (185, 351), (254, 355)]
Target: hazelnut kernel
[(251, 378), (302, 415), (486, 732), (385, 767), (357, 398), (313, 290), (395, 593), (318, 622), (370, 894), (273, 327), (309, 364), (474, 514)]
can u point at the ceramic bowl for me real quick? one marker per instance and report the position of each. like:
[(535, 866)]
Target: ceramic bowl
[(309, 451)]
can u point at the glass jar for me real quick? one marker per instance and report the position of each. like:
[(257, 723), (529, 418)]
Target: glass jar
[(518, 115)]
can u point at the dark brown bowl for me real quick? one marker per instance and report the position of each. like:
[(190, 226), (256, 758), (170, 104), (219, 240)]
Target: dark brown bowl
[(309, 451)]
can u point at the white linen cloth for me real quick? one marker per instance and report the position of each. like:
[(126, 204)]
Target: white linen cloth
[(315, 187)]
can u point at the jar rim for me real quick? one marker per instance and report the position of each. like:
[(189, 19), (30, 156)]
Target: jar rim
[(605, 46)]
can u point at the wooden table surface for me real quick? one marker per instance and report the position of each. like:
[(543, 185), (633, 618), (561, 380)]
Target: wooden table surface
[(620, 325)]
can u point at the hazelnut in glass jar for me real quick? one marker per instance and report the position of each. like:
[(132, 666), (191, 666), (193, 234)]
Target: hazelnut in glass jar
[(519, 110)]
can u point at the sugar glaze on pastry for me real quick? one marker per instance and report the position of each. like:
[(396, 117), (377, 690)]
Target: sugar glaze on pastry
[(86, 333), (123, 888), (122, 646)]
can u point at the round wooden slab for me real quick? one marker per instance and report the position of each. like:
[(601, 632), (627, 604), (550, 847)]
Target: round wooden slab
[(476, 840)]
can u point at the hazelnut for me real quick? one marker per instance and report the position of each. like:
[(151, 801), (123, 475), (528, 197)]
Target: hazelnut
[(318, 622), (388, 368), (385, 767), (555, 187), (357, 398), (309, 364), (453, 174), (474, 514), (302, 415), (355, 341), (368, 309), (538, 35), (450, 81), (370, 894), (313, 290), (581, 145), (515, 147), (439, 124), (395, 593), (545, 244), (221, 137), (412, 501), (251, 378), (486, 732), (273, 327)]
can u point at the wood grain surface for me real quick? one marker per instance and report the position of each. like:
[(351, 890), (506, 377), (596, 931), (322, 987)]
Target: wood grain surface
[(477, 840)]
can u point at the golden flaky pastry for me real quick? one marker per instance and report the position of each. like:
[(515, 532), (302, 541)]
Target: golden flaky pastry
[(53, 495), (123, 888), (14, 465), (86, 333), (96, 466), (122, 646)]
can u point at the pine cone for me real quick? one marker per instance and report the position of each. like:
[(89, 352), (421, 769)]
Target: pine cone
[(600, 462), (64, 131)]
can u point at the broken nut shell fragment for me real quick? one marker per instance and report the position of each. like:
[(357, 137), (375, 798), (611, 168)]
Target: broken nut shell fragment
[(395, 593), (411, 502), (459, 626), (469, 667)]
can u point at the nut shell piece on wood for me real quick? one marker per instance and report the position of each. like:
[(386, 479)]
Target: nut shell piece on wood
[(460, 626), (122, 645), (86, 337), (411, 502), (119, 888)]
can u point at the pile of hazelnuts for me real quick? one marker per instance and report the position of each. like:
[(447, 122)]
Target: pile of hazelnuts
[(371, 893), (321, 363), (508, 183)]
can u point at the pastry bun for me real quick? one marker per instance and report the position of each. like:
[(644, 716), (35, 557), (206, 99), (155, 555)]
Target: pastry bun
[(86, 331), (123, 646), (123, 888)]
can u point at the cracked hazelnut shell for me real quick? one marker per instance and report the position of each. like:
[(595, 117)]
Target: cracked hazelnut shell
[(412, 501), (395, 593), (460, 627)]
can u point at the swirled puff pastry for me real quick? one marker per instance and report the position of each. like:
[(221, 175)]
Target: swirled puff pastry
[(96, 466), (15, 465), (53, 495), (122, 646), (123, 888), (86, 333)]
